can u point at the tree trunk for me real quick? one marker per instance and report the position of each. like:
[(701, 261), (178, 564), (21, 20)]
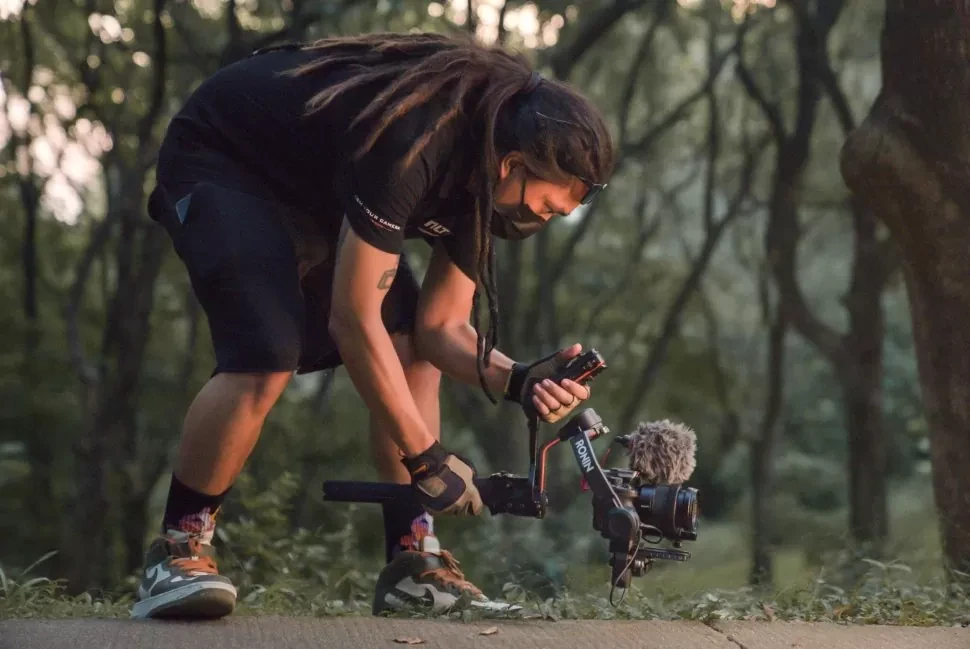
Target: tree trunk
[(111, 453), (85, 555), (861, 377), (763, 446), (31, 200), (856, 356), (762, 458), (134, 523), (868, 512), (141, 463), (142, 250), (30, 193), (908, 162), (113, 444)]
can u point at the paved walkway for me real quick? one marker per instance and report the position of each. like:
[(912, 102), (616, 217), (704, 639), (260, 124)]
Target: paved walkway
[(273, 632)]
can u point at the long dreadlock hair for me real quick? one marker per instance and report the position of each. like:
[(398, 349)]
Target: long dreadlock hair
[(507, 106)]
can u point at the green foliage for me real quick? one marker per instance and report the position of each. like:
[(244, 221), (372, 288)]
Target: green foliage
[(269, 561), (303, 573), (814, 483), (23, 596)]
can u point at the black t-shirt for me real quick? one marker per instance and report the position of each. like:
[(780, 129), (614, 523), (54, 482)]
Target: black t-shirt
[(253, 114)]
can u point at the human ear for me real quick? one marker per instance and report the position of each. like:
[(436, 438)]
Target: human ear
[(509, 162)]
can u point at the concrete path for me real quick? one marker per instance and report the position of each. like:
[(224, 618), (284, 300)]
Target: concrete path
[(272, 632)]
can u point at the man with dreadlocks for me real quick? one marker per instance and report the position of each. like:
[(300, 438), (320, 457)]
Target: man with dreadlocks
[(288, 183)]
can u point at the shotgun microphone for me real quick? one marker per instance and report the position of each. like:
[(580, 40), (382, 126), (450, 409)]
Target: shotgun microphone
[(662, 452)]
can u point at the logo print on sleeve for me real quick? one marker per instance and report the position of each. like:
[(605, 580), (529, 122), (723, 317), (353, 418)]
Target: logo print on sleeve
[(379, 221)]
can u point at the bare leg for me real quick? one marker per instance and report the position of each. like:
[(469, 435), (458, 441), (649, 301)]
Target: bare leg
[(424, 380), (407, 527), (219, 432), (222, 427)]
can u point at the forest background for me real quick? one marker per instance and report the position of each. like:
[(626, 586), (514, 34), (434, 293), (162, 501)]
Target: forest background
[(728, 275)]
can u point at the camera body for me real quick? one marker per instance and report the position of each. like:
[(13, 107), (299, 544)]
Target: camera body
[(647, 513)]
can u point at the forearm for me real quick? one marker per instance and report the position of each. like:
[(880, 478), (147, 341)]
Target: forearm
[(377, 374), (453, 349)]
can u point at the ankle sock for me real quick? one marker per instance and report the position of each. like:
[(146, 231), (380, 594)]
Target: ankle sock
[(191, 513), (404, 528)]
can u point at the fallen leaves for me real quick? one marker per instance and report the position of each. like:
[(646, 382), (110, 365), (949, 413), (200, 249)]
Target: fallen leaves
[(769, 612), (492, 630)]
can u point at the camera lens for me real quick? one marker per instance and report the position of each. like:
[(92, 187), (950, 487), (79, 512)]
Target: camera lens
[(686, 511), (672, 509)]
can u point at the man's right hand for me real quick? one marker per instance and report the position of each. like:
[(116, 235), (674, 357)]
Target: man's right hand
[(444, 483)]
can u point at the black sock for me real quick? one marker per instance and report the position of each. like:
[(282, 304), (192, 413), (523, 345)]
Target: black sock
[(404, 527), (191, 512)]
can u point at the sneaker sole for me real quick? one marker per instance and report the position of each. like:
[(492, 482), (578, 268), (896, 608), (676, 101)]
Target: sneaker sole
[(495, 607), (196, 601), (399, 601)]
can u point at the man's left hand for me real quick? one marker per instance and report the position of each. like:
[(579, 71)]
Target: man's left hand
[(551, 401)]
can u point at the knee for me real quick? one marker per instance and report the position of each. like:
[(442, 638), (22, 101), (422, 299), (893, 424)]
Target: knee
[(257, 391), (420, 373), (423, 376)]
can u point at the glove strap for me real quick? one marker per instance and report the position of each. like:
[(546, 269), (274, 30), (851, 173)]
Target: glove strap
[(426, 463), (513, 389), (521, 373)]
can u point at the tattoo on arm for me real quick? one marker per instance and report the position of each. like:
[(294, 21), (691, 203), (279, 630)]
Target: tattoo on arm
[(387, 279)]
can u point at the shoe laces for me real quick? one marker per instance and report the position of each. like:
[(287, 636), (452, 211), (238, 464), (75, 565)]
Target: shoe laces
[(451, 573), (198, 560)]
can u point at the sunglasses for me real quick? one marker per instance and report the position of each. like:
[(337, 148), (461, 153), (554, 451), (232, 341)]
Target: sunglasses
[(592, 189)]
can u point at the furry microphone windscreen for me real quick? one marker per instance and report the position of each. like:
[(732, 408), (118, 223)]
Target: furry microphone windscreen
[(662, 452)]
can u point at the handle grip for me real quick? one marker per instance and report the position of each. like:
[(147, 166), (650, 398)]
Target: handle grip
[(502, 493), (582, 369), (351, 491)]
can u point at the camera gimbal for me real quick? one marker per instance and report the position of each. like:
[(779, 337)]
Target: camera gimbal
[(626, 511)]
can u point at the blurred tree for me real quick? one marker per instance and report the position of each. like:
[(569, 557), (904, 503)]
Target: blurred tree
[(30, 191), (856, 355), (907, 161), (764, 444), (107, 450)]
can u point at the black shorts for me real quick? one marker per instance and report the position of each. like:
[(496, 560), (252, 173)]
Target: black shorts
[(265, 292)]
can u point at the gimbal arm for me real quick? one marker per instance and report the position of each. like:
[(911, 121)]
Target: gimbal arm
[(503, 493)]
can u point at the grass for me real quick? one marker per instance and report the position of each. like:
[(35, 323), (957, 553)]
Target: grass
[(31, 597), (313, 574), (885, 597), (713, 588)]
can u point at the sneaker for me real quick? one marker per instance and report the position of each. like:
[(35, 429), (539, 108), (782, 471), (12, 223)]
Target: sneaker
[(182, 581), (429, 580)]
